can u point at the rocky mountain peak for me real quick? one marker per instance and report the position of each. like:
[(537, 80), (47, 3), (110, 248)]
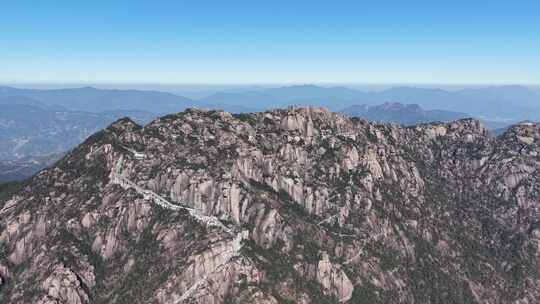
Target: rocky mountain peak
[(526, 129), (124, 124), (297, 205), (469, 125), (524, 137), (397, 106)]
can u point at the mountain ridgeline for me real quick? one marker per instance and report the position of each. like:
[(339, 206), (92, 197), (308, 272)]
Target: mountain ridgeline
[(296, 205), (38, 126), (511, 103), (408, 115)]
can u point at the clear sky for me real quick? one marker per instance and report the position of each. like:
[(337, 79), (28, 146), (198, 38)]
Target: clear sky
[(221, 41)]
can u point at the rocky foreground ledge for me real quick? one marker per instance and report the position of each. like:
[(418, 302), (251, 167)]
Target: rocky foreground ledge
[(287, 206)]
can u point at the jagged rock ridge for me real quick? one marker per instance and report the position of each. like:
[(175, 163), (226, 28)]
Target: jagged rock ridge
[(312, 207)]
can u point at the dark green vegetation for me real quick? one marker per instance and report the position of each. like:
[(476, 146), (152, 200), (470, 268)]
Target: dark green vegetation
[(7, 189)]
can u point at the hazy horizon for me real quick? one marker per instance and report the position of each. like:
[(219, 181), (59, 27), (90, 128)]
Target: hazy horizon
[(170, 87)]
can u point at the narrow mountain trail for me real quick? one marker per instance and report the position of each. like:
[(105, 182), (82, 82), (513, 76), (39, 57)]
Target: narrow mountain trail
[(124, 182)]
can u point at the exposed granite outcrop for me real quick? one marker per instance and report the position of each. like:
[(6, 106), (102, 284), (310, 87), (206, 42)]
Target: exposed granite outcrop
[(318, 208)]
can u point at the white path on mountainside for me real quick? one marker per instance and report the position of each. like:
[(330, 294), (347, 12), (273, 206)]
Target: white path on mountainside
[(236, 243), (125, 183)]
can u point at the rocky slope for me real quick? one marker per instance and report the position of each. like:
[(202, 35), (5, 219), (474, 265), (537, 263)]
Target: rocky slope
[(287, 206)]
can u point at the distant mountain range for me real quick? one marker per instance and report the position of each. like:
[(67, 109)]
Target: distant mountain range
[(502, 103), (39, 123), (97, 100), (410, 114)]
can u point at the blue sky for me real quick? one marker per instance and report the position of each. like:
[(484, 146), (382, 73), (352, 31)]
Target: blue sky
[(480, 42)]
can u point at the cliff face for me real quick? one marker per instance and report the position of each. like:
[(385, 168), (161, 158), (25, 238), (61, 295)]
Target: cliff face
[(287, 206)]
